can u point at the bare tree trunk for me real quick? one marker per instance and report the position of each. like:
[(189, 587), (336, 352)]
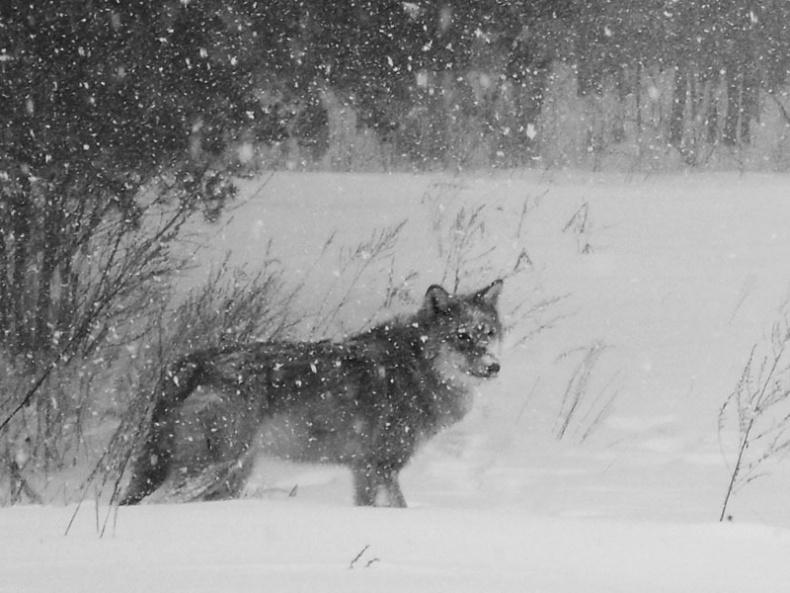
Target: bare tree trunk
[(20, 225), (749, 106), (67, 294), (676, 119), (732, 117), (618, 127), (638, 98), (528, 97), (697, 94), (42, 339), (4, 300), (712, 113)]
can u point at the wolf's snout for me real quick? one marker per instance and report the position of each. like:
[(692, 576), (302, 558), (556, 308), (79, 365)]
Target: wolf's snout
[(486, 370)]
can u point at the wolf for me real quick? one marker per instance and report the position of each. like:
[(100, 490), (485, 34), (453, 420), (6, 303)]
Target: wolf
[(366, 402)]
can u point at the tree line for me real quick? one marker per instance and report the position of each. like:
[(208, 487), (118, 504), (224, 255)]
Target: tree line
[(115, 109)]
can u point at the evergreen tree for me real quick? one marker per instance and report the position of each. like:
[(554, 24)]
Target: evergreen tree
[(101, 100)]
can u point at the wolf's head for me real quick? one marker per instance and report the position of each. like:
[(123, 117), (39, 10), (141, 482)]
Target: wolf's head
[(461, 331)]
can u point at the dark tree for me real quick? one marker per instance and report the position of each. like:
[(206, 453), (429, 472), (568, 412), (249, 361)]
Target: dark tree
[(108, 107)]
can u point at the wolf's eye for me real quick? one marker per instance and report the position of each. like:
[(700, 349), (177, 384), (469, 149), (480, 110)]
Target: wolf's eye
[(464, 337), (488, 332)]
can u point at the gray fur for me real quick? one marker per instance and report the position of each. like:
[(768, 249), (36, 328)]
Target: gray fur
[(365, 403)]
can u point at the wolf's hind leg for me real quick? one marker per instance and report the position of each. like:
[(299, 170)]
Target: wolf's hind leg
[(364, 486), (229, 478)]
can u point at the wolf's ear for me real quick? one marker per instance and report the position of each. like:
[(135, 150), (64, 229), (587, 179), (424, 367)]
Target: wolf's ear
[(437, 300), (490, 294)]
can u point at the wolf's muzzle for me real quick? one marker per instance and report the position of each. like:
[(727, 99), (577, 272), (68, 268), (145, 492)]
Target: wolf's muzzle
[(486, 371)]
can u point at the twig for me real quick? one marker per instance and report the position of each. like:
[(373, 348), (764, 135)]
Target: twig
[(356, 558), (577, 386), (262, 186), (28, 396), (752, 404), (782, 108), (736, 469), (526, 208)]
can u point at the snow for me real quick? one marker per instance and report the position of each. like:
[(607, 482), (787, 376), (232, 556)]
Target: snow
[(658, 296), (295, 546)]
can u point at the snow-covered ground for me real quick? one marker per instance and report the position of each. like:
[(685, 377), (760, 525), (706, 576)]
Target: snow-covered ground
[(640, 296), (258, 545)]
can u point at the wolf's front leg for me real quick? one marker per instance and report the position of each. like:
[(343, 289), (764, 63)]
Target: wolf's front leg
[(376, 486), (393, 492)]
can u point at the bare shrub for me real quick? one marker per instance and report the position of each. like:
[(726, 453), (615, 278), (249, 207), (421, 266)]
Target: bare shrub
[(48, 394), (584, 405), (353, 264), (231, 307), (579, 225), (460, 235), (760, 406)]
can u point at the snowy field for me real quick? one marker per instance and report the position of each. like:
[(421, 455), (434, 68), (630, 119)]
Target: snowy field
[(632, 305)]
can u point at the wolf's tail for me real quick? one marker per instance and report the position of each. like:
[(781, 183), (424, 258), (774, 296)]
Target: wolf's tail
[(152, 464)]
